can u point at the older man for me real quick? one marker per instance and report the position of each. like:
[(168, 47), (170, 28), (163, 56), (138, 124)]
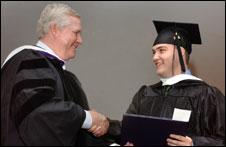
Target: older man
[(41, 102)]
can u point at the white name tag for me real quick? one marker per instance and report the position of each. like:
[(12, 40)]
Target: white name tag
[(181, 115)]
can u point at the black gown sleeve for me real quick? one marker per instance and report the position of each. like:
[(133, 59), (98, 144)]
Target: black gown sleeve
[(212, 119), (134, 106), (41, 114), (114, 131)]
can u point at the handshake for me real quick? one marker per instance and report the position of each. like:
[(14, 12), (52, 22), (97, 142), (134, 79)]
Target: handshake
[(100, 123)]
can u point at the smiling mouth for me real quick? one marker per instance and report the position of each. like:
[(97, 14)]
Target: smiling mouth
[(158, 64)]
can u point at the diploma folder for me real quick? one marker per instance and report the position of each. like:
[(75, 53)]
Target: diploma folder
[(149, 131)]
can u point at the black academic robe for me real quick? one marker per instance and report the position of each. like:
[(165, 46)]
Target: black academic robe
[(207, 104), (42, 104)]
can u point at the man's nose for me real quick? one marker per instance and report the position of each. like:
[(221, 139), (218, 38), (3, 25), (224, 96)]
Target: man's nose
[(155, 57), (79, 40)]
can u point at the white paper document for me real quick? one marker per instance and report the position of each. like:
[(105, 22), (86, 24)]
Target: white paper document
[(181, 115)]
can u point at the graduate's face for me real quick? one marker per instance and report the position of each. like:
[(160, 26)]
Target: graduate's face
[(69, 38), (163, 60)]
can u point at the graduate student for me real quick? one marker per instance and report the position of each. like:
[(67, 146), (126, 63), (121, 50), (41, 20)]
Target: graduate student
[(178, 89), (41, 102)]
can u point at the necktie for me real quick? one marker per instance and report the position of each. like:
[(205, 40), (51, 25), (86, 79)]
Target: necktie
[(167, 90)]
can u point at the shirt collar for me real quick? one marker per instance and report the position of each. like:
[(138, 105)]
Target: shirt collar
[(188, 72), (49, 53), (173, 80)]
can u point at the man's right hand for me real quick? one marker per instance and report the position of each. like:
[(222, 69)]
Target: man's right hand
[(100, 123)]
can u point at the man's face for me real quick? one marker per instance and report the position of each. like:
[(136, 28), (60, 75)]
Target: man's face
[(162, 58), (69, 38)]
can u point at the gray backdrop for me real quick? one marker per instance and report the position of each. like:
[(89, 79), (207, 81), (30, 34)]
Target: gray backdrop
[(115, 59)]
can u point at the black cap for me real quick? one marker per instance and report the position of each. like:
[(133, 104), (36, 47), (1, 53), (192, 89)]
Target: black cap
[(188, 33)]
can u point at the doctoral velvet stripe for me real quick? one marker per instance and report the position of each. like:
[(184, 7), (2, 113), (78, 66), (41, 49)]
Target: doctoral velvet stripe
[(33, 83), (40, 95), (36, 100), (33, 64), (31, 104)]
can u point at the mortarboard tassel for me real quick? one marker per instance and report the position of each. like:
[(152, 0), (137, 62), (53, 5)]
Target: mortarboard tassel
[(177, 40)]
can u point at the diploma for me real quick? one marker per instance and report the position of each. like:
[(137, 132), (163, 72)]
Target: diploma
[(150, 131)]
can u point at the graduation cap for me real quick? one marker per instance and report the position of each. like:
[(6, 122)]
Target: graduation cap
[(179, 34)]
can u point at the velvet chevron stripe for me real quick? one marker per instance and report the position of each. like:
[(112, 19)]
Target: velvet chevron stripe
[(33, 103), (33, 83), (33, 64)]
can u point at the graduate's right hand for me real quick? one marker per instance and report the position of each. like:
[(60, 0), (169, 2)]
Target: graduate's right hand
[(100, 123)]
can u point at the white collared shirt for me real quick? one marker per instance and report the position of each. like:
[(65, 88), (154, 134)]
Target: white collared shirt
[(50, 51)]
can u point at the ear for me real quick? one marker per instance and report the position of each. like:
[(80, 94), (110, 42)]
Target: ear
[(53, 29)]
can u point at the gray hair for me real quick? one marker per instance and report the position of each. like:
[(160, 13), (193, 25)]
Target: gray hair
[(58, 13)]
